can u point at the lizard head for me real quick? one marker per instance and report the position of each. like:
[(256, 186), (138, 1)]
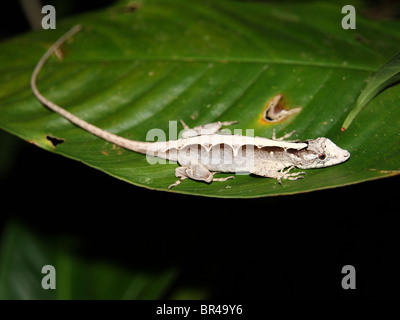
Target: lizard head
[(321, 152)]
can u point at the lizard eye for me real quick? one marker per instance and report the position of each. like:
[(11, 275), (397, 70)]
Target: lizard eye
[(322, 156)]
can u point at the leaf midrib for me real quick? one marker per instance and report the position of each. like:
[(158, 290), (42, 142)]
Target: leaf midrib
[(208, 60)]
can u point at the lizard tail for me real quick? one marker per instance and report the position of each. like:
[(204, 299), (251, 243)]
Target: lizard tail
[(137, 146)]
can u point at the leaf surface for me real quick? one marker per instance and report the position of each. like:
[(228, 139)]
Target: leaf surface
[(386, 76), (132, 71)]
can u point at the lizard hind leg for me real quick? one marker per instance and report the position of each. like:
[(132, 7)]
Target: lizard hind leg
[(196, 172), (180, 173), (222, 179)]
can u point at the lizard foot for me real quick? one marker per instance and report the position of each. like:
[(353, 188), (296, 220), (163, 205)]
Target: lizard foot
[(210, 128), (289, 176), (222, 179), (286, 136), (196, 172), (176, 183)]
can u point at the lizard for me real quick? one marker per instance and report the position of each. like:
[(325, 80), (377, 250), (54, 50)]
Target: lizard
[(203, 151)]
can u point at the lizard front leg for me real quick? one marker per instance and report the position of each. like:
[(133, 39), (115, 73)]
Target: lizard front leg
[(287, 135), (210, 128), (276, 171), (290, 176), (196, 171)]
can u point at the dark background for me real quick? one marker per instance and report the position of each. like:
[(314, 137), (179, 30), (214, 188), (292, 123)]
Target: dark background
[(281, 247)]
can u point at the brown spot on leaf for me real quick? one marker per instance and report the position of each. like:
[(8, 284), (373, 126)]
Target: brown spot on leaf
[(126, 9), (360, 38), (131, 7), (275, 110), (54, 140), (33, 142)]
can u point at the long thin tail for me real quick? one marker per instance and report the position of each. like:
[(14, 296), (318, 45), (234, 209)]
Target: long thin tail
[(137, 146)]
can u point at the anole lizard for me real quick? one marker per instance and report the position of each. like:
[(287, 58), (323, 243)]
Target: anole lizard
[(203, 151)]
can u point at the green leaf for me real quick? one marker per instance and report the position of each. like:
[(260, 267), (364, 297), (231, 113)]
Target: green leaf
[(386, 76), (130, 71), (24, 253)]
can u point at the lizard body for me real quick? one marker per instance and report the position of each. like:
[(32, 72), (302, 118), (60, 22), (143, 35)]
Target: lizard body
[(204, 151)]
